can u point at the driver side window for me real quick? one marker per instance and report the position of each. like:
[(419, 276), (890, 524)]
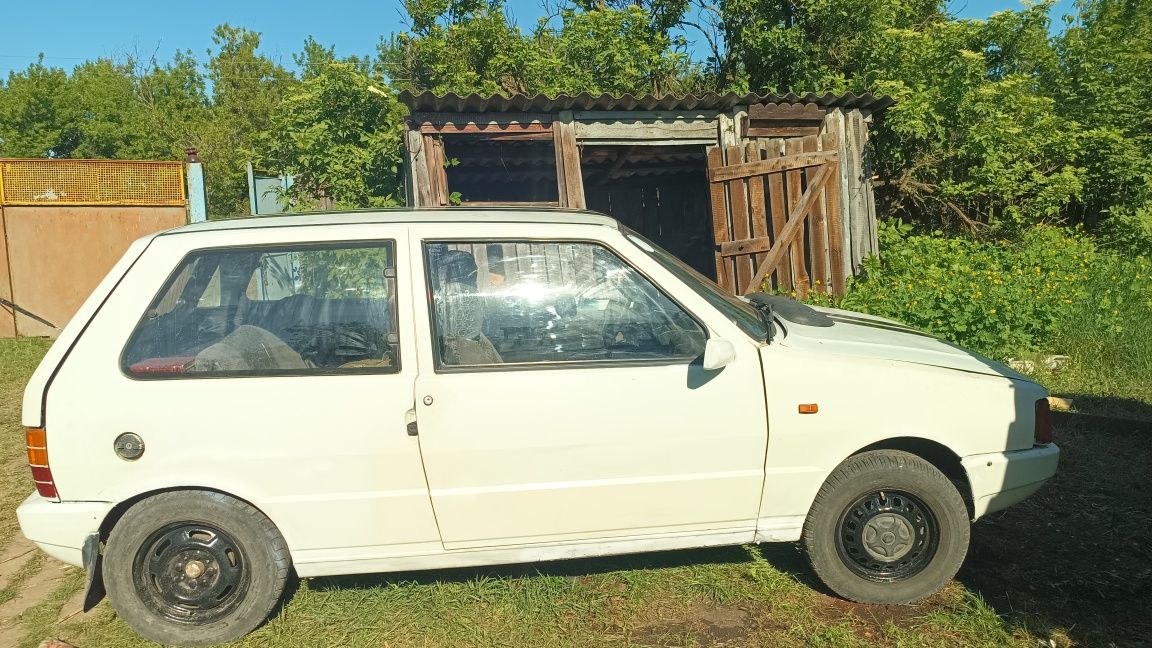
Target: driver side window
[(527, 302)]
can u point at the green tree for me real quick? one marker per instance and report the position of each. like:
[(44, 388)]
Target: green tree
[(247, 89), (35, 118), (339, 135)]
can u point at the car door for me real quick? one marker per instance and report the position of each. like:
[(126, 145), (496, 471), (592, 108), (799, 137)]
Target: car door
[(561, 395)]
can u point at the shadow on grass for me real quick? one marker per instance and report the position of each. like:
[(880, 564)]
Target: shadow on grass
[(1120, 413), (1076, 559)]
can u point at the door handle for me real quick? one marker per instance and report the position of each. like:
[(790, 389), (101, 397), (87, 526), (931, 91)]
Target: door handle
[(410, 422)]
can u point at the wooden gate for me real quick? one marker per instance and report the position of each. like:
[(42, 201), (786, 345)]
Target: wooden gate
[(776, 215)]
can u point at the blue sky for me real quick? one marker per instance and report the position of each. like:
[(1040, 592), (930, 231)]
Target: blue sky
[(70, 31)]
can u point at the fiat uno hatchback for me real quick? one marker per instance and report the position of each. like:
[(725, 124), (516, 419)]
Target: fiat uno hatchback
[(381, 391)]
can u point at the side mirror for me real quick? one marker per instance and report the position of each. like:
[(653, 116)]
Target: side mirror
[(718, 353)]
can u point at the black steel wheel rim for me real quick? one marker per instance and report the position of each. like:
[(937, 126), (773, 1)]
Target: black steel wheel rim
[(887, 536), (191, 572)]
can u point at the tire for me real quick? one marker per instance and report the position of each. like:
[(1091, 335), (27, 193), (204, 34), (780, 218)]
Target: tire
[(886, 527), (194, 568)]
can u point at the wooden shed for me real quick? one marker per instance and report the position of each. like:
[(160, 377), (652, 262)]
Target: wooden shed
[(747, 189)]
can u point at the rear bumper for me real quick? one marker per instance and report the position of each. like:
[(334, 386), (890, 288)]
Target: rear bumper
[(60, 528), (1001, 479)]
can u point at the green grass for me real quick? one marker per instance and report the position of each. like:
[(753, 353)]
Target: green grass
[(1021, 586)]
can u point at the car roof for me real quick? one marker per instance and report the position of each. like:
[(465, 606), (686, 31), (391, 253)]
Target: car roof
[(407, 215)]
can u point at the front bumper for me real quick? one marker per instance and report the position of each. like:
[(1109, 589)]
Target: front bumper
[(1001, 479), (60, 528)]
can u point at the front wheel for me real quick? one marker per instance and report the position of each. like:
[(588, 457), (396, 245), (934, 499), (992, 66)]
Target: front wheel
[(194, 568), (886, 527)]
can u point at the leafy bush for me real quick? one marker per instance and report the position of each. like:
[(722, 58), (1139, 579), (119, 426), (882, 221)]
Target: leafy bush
[(1006, 298)]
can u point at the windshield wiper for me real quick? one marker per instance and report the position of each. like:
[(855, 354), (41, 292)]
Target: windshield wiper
[(768, 316)]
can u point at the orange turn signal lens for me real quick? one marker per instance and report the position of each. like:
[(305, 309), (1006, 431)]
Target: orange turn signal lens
[(37, 457), (809, 408), (37, 438)]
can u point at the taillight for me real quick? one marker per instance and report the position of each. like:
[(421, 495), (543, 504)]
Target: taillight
[(1043, 433), (38, 460)]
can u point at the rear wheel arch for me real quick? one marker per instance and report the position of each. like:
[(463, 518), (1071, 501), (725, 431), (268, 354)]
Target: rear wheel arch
[(194, 566), (118, 511)]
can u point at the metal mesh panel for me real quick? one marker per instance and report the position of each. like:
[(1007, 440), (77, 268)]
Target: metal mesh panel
[(91, 182)]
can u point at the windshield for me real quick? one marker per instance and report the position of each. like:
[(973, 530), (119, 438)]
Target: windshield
[(740, 312)]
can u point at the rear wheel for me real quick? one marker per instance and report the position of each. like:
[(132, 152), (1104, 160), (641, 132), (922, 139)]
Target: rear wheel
[(887, 527), (194, 568)]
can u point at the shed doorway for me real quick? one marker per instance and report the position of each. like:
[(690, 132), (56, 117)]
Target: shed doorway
[(659, 191), (501, 169)]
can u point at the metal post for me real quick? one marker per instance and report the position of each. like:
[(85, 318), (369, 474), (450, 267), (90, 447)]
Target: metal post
[(197, 198)]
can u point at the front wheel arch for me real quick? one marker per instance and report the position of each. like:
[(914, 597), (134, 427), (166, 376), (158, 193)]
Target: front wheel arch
[(939, 455)]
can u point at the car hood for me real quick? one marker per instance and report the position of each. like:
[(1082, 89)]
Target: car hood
[(868, 336)]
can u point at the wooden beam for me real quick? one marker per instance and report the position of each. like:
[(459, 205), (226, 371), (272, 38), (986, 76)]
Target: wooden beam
[(568, 173), (418, 170), (644, 115), (645, 130), (789, 112), (782, 129), (437, 171), (788, 162), (794, 227)]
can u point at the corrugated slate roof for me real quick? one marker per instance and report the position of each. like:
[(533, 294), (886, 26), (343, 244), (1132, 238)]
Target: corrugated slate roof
[(454, 103)]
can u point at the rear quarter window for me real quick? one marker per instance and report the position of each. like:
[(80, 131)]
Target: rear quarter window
[(277, 310)]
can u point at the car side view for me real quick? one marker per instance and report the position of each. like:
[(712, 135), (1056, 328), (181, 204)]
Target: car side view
[(380, 391)]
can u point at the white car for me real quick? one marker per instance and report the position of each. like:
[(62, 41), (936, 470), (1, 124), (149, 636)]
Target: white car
[(380, 391)]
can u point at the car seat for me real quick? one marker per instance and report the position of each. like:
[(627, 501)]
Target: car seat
[(459, 310)]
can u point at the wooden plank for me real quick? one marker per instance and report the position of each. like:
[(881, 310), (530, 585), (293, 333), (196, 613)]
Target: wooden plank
[(757, 201), (719, 205), (644, 115), (418, 169), (645, 130), (779, 210), (746, 246), (795, 227), (782, 130), (738, 202), (806, 112), (794, 179), (840, 271), (739, 119), (869, 191), (568, 170), (840, 133), (726, 130), (437, 170), (857, 212), (818, 228), (791, 161)]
